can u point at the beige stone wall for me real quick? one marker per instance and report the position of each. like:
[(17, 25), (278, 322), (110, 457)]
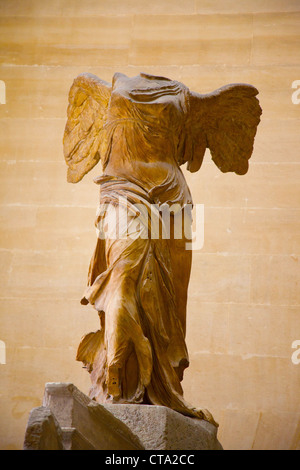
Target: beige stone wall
[(244, 293)]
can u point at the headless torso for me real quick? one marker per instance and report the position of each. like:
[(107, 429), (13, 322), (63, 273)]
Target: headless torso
[(143, 134)]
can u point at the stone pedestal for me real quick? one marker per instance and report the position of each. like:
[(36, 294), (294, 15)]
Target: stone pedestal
[(70, 420), (160, 428)]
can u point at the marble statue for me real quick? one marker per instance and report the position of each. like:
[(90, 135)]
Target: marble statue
[(143, 129)]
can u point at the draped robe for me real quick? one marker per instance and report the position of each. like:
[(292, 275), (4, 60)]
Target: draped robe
[(139, 284)]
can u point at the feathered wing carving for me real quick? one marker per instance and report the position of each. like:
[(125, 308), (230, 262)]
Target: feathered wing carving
[(224, 121), (88, 101)]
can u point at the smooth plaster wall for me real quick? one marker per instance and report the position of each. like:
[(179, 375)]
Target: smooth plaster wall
[(244, 293)]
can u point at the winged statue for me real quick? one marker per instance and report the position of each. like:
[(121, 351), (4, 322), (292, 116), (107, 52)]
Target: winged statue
[(143, 129)]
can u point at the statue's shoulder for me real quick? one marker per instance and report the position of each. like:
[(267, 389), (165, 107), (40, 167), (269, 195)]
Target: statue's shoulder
[(146, 88)]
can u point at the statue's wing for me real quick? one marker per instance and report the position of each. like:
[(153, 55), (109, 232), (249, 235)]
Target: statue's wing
[(88, 101), (224, 121)]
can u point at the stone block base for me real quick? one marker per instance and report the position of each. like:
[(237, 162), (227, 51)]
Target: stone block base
[(69, 420), (160, 428)]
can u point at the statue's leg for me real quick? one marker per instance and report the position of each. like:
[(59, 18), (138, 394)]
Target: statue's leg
[(123, 330), (181, 263), (113, 382)]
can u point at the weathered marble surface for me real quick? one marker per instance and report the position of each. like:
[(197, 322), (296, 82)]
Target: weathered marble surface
[(160, 428), (69, 420), (143, 129)]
